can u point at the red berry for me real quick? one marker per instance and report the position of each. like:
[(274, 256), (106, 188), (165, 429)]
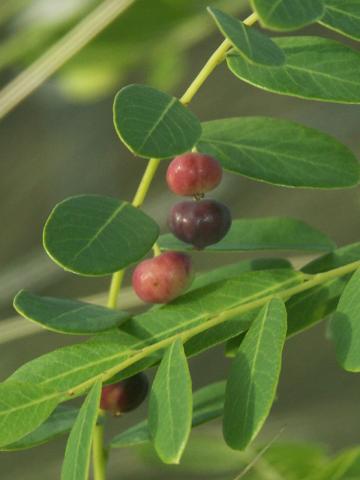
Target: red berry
[(193, 174), (162, 278), (126, 395), (200, 223)]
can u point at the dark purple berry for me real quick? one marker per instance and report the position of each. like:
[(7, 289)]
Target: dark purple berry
[(200, 223), (126, 395), (193, 174)]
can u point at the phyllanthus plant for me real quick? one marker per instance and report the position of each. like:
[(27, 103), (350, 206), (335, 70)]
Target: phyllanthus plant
[(251, 306)]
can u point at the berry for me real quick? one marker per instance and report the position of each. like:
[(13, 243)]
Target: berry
[(126, 395), (200, 223), (193, 174), (162, 278)]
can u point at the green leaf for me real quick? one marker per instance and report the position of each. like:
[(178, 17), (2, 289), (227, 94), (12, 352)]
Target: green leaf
[(208, 403), (345, 326), (250, 42), (343, 16), (254, 376), (170, 405), (77, 454), (67, 316), (96, 235), (23, 407), (336, 78), (272, 233), (285, 15), (154, 124), (68, 367), (59, 423), (345, 466), (285, 153)]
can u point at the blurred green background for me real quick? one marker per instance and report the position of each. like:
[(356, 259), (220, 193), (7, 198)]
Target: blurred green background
[(61, 142)]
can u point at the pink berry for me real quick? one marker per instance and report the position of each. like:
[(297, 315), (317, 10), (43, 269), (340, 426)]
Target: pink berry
[(126, 395), (193, 174), (162, 278)]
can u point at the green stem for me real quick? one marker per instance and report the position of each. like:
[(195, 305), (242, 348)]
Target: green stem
[(99, 453)]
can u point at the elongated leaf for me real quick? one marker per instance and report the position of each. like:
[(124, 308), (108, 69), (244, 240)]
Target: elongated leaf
[(345, 466), (59, 423), (345, 326), (208, 403), (288, 14), (336, 78), (170, 405), (96, 235), (67, 316), (77, 454), (23, 407), (272, 233), (154, 124), (250, 42), (68, 367), (343, 16), (254, 375), (286, 153)]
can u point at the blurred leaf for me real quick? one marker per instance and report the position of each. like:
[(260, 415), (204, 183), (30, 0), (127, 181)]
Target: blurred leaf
[(59, 423), (335, 79), (343, 16), (91, 234), (286, 153), (170, 405), (76, 463), (272, 233), (345, 466), (288, 14), (154, 124), (254, 375), (67, 316), (250, 42), (23, 407)]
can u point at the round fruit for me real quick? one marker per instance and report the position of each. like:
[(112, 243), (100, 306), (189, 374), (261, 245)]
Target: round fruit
[(193, 174), (162, 278), (200, 223), (126, 395)]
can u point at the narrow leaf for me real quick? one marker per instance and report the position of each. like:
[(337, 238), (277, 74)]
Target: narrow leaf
[(335, 79), (254, 376), (261, 234), (77, 454), (286, 153), (250, 42), (170, 407), (96, 235), (343, 16), (59, 423), (154, 124), (23, 407), (288, 14)]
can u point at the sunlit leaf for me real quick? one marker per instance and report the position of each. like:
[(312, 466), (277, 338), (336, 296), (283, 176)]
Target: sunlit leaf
[(343, 16)]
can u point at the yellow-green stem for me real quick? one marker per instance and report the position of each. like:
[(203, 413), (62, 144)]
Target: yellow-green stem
[(99, 454)]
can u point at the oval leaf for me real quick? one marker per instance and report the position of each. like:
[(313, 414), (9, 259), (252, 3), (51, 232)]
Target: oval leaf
[(285, 154), (67, 316), (288, 14), (96, 235), (345, 326), (250, 42), (77, 454), (170, 405), (23, 407), (254, 376), (336, 78), (261, 234), (154, 124), (59, 423), (343, 16)]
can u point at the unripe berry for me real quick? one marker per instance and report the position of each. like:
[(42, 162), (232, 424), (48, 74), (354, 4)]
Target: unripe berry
[(126, 395), (193, 174), (201, 223), (162, 278)]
